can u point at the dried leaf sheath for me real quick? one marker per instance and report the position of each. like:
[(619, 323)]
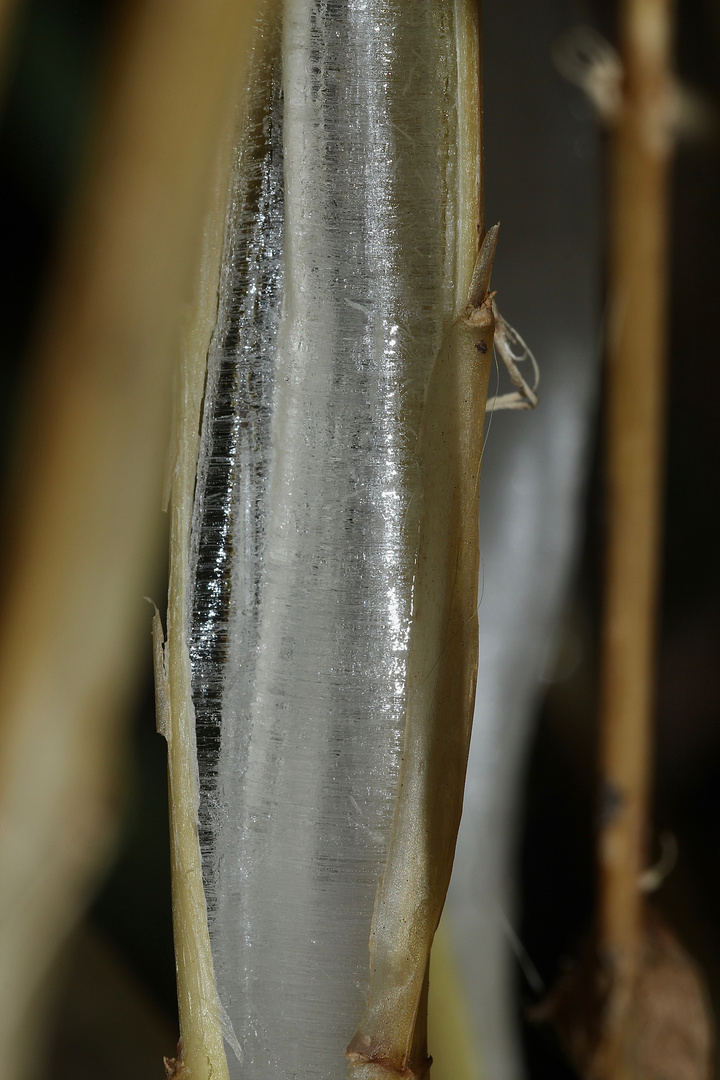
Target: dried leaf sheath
[(442, 669), (203, 1022)]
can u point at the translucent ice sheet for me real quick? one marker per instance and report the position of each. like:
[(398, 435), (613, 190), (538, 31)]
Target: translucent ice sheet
[(338, 283)]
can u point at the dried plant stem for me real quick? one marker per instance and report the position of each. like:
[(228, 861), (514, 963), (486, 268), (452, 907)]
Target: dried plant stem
[(636, 356)]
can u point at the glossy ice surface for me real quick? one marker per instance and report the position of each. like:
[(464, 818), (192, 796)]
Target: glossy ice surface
[(337, 288)]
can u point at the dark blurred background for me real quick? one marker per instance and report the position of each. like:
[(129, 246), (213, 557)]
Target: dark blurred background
[(117, 1011)]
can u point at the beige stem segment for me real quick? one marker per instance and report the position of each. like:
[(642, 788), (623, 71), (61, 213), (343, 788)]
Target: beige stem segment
[(442, 671), (635, 393)]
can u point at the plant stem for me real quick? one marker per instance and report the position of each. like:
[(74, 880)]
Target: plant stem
[(635, 394)]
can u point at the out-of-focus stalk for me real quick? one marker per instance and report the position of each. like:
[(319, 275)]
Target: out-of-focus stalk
[(635, 1005), (83, 521), (637, 348)]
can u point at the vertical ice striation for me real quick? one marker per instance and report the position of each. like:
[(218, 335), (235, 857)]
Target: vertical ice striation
[(230, 511), (338, 283)]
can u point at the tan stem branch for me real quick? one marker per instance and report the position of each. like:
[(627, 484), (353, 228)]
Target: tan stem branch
[(635, 397)]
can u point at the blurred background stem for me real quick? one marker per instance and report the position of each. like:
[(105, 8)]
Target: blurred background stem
[(83, 519), (635, 383)]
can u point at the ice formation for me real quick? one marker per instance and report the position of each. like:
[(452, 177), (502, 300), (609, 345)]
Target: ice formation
[(337, 287)]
